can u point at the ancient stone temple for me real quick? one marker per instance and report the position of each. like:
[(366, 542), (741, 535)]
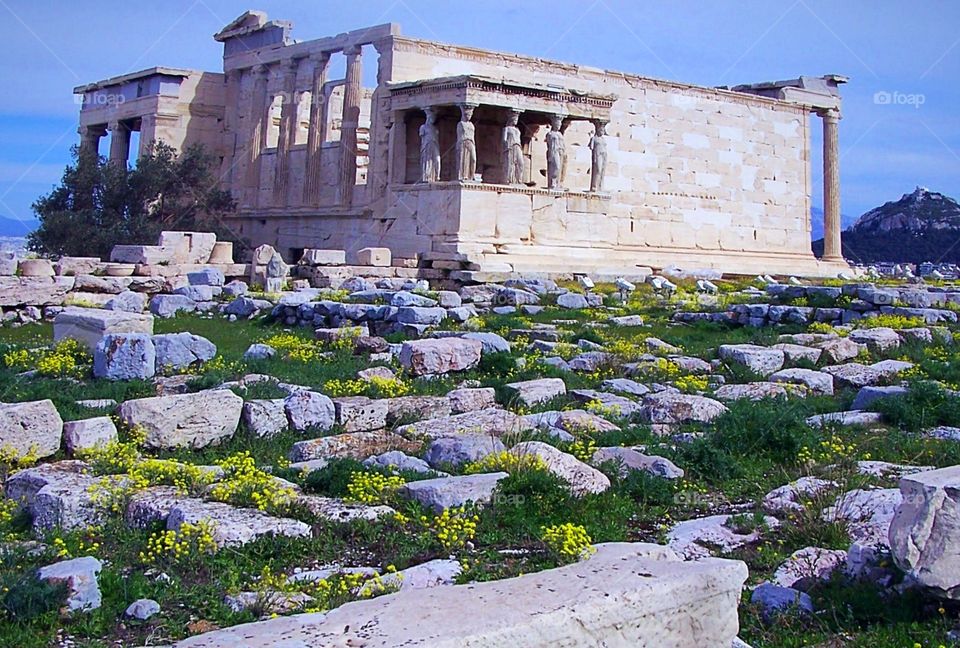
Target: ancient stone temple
[(470, 160)]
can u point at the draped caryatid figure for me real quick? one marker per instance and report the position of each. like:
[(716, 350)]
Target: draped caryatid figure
[(466, 145), (430, 148)]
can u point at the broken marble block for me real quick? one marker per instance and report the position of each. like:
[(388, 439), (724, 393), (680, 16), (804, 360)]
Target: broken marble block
[(925, 531), (185, 420), (632, 594), (125, 356), (30, 428), (232, 526), (87, 434), (440, 356), (374, 256), (89, 325), (79, 575)]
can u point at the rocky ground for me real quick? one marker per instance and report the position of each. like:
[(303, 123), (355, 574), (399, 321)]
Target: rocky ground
[(173, 475)]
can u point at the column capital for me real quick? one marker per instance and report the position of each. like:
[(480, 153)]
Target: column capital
[(319, 60), (831, 115), (352, 50), (260, 70)]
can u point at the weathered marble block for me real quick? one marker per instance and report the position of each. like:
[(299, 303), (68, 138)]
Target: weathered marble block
[(89, 325), (374, 256), (636, 595)]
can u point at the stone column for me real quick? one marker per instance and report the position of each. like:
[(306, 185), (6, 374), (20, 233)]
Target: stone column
[(231, 145), (398, 147), (119, 143), (316, 131), (288, 124), (381, 123), (90, 140), (350, 120), (257, 134), (831, 186)]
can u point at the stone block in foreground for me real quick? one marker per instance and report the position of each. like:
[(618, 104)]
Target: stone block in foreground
[(625, 595), (925, 531), (89, 325)]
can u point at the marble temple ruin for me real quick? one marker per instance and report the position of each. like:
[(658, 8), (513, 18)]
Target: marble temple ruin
[(464, 159)]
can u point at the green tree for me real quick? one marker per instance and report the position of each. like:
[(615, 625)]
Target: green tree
[(98, 205)]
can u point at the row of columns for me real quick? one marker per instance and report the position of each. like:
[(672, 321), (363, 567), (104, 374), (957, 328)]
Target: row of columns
[(512, 170), (90, 137), (259, 112)]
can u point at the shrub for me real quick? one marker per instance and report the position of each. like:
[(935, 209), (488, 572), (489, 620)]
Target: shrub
[(640, 486), (187, 544), (505, 461), (66, 359), (332, 479), (23, 597), (890, 321), (453, 528), (771, 428), (294, 347), (368, 487), (925, 405), (569, 542), (244, 484)]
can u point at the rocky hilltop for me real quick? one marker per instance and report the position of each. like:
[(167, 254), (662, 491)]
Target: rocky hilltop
[(921, 226)]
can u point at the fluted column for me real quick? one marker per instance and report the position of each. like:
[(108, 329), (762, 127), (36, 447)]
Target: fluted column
[(231, 141), (831, 186), (90, 140), (258, 134), (316, 132), (119, 143), (381, 125), (349, 123), (398, 147), (288, 119)]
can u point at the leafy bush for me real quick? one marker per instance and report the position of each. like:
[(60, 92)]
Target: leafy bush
[(925, 405), (23, 597), (113, 205), (332, 480), (771, 428)]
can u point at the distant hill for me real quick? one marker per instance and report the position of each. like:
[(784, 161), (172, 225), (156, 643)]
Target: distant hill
[(816, 222), (16, 227), (922, 226)]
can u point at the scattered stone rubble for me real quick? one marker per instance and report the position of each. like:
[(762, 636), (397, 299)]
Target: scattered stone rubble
[(194, 273)]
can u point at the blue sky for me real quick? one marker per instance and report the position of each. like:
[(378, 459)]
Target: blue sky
[(909, 50)]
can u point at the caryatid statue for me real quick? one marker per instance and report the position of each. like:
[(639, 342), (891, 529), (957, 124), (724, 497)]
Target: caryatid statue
[(598, 148), (466, 145), (512, 150), (556, 154), (429, 148)]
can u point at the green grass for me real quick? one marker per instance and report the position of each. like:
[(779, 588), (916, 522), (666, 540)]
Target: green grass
[(740, 456)]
